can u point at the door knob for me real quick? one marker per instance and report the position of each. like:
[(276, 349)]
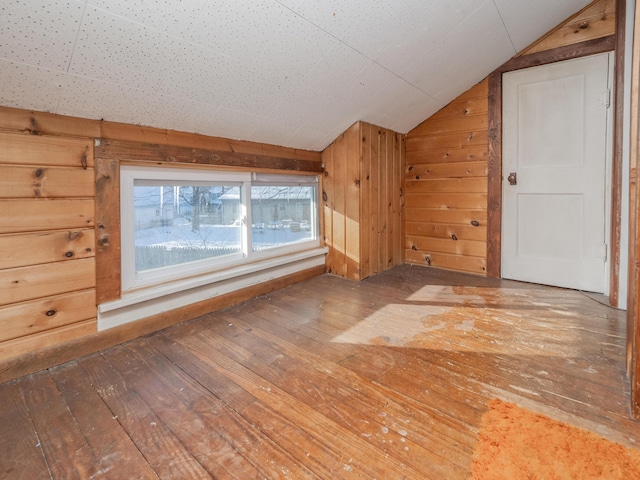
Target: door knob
[(513, 178)]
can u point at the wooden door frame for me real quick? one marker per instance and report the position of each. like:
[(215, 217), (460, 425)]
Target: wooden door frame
[(494, 193)]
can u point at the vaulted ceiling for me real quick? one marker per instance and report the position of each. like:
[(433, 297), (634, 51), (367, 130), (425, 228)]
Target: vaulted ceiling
[(287, 72)]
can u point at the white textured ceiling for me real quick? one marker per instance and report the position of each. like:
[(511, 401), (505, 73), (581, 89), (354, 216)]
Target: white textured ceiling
[(286, 72)]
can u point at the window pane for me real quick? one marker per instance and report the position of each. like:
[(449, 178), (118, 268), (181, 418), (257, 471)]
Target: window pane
[(179, 224), (282, 215)]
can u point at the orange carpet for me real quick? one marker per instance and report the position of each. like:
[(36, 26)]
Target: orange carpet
[(515, 443)]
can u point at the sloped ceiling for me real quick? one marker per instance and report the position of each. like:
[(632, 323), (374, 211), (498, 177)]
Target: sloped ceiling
[(287, 72)]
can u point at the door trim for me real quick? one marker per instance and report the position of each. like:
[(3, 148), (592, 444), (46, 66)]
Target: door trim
[(494, 193)]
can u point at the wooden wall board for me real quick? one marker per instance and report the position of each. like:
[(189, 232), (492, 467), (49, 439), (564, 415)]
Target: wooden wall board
[(446, 200), (368, 134), (445, 141), (339, 243), (352, 207), (619, 129), (374, 195), (446, 170), (474, 103), (633, 303), (107, 230), (594, 21), (45, 182), (364, 191), (452, 124), (446, 185), (26, 318), (473, 153), (39, 341), (473, 248), (21, 149), (158, 154), (41, 123), (477, 217), (37, 281), (446, 261), (36, 248), (33, 215), (442, 229), (397, 197)]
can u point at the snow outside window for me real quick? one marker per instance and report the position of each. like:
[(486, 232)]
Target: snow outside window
[(178, 223)]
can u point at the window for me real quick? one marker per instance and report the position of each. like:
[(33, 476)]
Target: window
[(178, 223), (283, 211)]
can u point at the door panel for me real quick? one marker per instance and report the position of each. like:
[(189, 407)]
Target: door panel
[(555, 122)]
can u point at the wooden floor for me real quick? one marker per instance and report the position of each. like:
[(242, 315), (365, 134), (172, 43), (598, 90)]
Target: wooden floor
[(386, 378)]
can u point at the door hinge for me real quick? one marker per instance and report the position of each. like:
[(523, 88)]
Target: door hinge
[(604, 98)]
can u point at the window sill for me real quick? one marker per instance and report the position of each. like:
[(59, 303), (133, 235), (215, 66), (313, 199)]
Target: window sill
[(143, 303)]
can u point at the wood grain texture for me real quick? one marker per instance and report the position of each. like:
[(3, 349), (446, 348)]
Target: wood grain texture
[(17, 347), (21, 149), (37, 281), (107, 230), (364, 189), (494, 178), (34, 215), (329, 378), (633, 304), (47, 265), (159, 154), (618, 142), (26, 362), (446, 185), (43, 182), (26, 318), (594, 21), (24, 249), (41, 123)]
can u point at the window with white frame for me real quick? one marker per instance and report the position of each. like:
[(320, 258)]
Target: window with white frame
[(179, 223)]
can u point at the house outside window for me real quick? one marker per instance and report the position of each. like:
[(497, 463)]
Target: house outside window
[(178, 223)]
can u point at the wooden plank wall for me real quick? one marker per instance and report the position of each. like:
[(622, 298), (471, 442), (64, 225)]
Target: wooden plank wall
[(363, 201), (447, 170), (446, 186), (60, 227), (595, 21), (633, 305), (47, 242)]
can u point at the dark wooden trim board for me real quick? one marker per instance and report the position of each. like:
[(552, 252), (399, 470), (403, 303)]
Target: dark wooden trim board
[(494, 197), (158, 154)]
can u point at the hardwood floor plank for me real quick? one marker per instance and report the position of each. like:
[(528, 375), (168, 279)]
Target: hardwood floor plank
[(115, 452), (332, 447), (164, 452), (327, 378), (215, 434), (64, 447), (350, 402), (22, 456)]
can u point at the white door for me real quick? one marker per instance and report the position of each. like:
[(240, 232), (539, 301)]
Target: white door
[(555, 135)]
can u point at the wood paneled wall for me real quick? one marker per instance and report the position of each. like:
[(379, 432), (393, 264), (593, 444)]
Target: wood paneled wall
[(47, 242), (60, 231), (363, 201), (595, 21), (633, 302), (446, 186), (448, 175)]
